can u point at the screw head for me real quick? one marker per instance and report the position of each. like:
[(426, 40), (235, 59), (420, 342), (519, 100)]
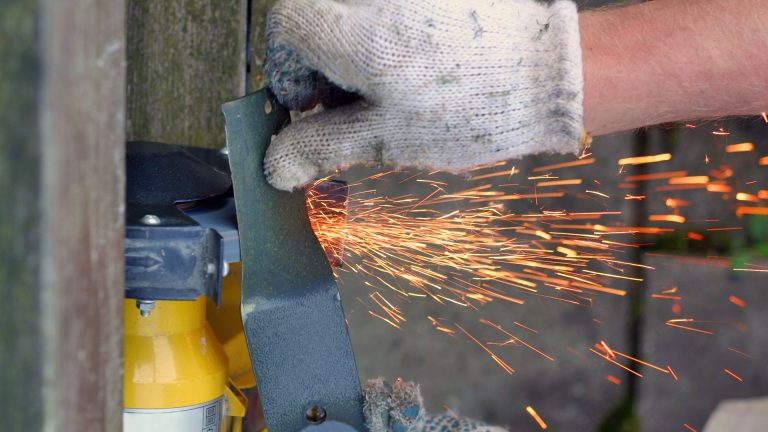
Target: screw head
[(150, 219), (315, 414), (210, 268), (145, 307)]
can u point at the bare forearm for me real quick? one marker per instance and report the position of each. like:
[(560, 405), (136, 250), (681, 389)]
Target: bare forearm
[(671, 60)]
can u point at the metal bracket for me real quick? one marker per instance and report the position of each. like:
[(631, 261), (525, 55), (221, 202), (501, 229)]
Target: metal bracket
[(292, 314), (169, 255)]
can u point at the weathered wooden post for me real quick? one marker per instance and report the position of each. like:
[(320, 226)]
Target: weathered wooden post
[(62, 104)]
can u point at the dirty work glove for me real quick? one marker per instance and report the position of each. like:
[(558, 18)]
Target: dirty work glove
[(447, 84), (399, 408)]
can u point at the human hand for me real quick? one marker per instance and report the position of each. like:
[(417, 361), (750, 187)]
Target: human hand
[(446, 84), (399, 408)]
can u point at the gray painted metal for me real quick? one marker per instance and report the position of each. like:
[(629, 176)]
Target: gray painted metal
[(292, 315)]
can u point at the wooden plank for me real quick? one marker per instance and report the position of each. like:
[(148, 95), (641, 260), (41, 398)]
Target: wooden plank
[(185, 58), (83, 136), (257, 46), (20, 346), (62, 169)]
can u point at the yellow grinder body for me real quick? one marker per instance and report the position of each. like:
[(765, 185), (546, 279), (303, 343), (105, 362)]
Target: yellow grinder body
[(175, 369)]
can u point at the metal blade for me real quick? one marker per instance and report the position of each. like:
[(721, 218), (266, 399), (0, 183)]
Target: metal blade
[(292, 313)]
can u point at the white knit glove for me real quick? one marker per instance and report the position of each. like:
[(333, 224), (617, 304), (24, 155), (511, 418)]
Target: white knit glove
[(446, 84)]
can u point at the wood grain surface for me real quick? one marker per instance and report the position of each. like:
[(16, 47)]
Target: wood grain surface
[(185, 58), (62, 133)]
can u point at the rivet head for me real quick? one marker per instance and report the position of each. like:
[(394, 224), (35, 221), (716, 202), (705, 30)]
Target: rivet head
[(315, 414), (150, 219)]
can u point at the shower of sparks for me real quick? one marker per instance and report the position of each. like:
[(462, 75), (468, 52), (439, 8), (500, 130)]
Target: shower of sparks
[(504, 237), (410, 247)]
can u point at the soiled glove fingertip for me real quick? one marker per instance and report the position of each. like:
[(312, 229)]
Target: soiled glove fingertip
[(407, 410), (294, 84)]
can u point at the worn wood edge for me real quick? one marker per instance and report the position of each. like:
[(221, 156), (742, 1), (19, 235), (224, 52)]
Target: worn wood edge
[(82, 202)]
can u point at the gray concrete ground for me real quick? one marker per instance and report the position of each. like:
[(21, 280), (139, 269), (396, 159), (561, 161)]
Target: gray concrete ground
[(739, 343)]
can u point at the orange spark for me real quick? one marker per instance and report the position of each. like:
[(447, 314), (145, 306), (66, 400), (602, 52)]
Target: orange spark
[(520, 196), (495, 358), (673, 323), (613, 379), (559, 183), (739, 352), (736, 377), (676, 203), (607, 349), (657, 176), (578, 162), (536, 417), (718, 188), (639, 160), (689, 180), (687, 426), (515, 339), (438, 326), (671, 372), (598, 193), (679, 187), (741, 196), (765, 116), (743, 210), (666, 297), (611, 353), (741, 147), (667, 218), (525, 327), (384, 319), (605, 357), (737, 301), (509, 173)]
